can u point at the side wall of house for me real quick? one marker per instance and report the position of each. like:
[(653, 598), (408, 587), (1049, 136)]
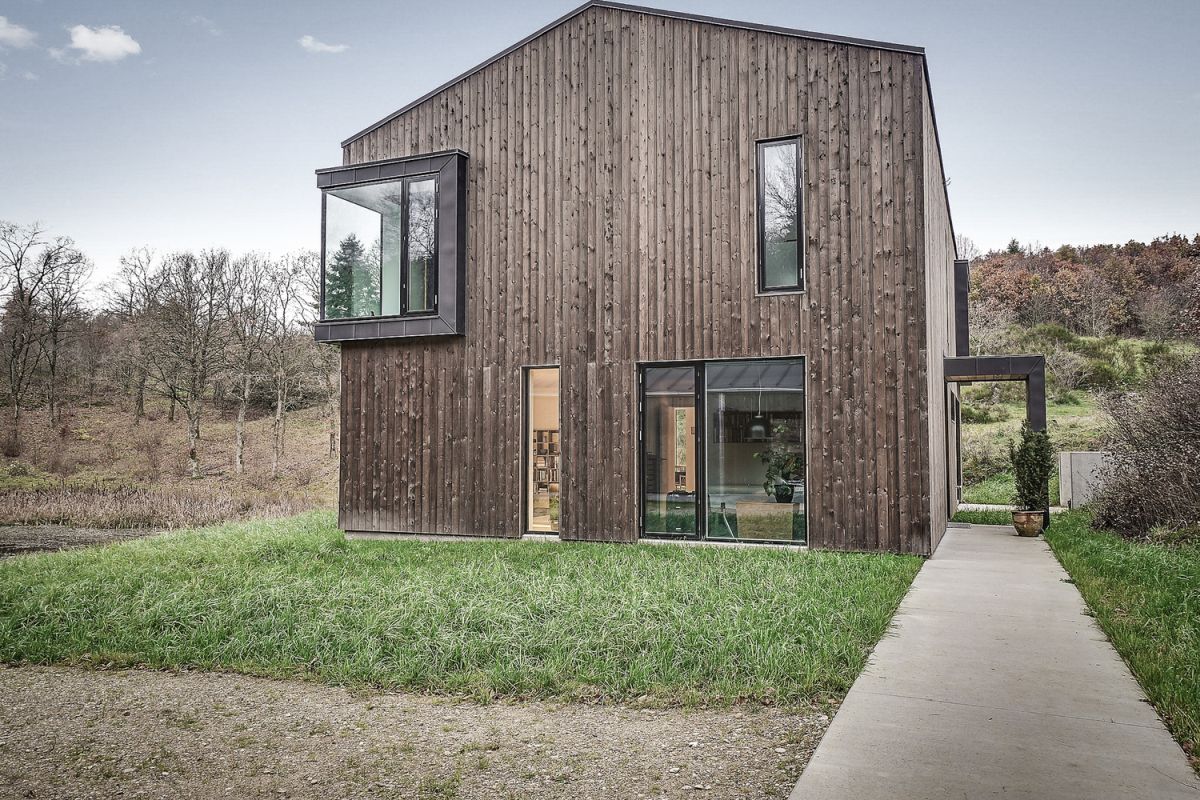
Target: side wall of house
[(939, 271), (612, 221)]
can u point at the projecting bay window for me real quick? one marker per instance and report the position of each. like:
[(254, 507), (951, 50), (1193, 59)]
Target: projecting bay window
[(380, 249), (780, 216), (393, 248)]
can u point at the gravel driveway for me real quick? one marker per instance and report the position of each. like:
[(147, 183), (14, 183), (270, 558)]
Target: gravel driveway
[(67, 732)]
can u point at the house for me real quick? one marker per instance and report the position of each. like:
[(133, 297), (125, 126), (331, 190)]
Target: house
[(651, 274)]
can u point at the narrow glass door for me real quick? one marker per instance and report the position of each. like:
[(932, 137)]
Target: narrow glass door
[(670, 462), (544, 450)]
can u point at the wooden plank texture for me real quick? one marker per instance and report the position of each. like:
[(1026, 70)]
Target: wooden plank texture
[(610, 221)]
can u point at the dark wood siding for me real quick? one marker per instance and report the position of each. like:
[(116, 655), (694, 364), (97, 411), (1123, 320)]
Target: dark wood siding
[(611, 221), (939, 285)]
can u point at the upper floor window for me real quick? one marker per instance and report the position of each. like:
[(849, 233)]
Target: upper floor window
[(394, 248), (780, 216), (380, 249)]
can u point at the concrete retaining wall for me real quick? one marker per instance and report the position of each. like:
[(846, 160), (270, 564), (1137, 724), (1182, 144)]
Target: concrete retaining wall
[(1078, 476)]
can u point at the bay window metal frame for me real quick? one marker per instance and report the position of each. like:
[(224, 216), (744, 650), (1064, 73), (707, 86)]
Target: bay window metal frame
[(448, 316)]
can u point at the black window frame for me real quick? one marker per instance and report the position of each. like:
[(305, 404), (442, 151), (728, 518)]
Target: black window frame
[(701, 443), (760, 216), (431, 294), (448, 284)]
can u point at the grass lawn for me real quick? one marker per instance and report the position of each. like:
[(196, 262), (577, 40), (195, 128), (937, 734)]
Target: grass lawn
[(293, 598), (1146, 598), (1001, 489)]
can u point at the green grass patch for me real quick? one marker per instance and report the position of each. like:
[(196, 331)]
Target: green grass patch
[(990, 517), (1146, 597), (1000, 489), (293, 598)]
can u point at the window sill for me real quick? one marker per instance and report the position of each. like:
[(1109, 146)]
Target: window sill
[(398, 327)]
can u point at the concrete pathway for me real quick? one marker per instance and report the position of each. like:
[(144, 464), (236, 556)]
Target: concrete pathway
[(994, 683)]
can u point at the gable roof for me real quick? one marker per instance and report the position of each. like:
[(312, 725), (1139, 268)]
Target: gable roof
[(728, 23)]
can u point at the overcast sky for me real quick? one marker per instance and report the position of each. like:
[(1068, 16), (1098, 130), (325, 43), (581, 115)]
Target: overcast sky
[(181, 124)]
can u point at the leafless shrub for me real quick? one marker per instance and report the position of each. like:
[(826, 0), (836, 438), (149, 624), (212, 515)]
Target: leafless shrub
[(150, 446), (982, 460), (1153, 478), (62, 462), (1067, 369), (138, 508)]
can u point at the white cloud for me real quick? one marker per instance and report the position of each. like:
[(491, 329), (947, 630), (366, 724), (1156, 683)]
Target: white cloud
[(29, 76), (207, 24), (315, 46), (106, 43), (14, 35), (3, 70)]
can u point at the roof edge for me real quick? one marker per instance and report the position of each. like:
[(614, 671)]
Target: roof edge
[(937, 140), (656, 12)]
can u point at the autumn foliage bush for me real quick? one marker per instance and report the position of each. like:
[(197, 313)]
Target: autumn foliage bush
[(1152, 481)]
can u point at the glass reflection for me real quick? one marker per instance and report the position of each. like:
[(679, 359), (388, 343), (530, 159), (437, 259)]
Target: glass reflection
[(755, 469), (368, 231), (669, 456), (780, 215)]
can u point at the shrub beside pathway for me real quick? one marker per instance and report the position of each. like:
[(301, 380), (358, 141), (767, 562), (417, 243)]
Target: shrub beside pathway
[(994, 682), (70, 732)]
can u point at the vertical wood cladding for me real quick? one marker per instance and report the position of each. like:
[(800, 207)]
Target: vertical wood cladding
[(939, 287), (611, 214)]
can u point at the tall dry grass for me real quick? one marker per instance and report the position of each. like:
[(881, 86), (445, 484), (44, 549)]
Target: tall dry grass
[(131, 507)]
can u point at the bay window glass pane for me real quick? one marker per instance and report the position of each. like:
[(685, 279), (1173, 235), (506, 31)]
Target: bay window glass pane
[(755, 467), (670, 467), (352, 258), (381, 249), (779, 197), (422, 231)]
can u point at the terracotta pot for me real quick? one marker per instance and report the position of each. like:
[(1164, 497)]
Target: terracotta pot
[(1028, 523)]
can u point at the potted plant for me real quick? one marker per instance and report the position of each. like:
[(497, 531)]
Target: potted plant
[(1031, 462), (784, 460)]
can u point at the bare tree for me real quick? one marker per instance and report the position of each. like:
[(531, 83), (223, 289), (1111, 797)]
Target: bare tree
[(132, 298), (326, 358), (966, 247), (64, 318), (249, 312), (1157, 315), (289, 347), (991, 324), (1096, 307), (30, 262), (1066, 368), (192, 333)]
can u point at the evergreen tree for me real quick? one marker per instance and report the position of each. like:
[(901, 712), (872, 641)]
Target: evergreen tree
[(351, 285)]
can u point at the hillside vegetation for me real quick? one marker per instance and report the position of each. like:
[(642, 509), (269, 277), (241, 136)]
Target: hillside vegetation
[(97, 468), (187, 389), (1108, 318)]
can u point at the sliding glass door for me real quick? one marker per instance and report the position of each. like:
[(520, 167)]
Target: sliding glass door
[(755, 445), (669, 451), (723, 450)]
